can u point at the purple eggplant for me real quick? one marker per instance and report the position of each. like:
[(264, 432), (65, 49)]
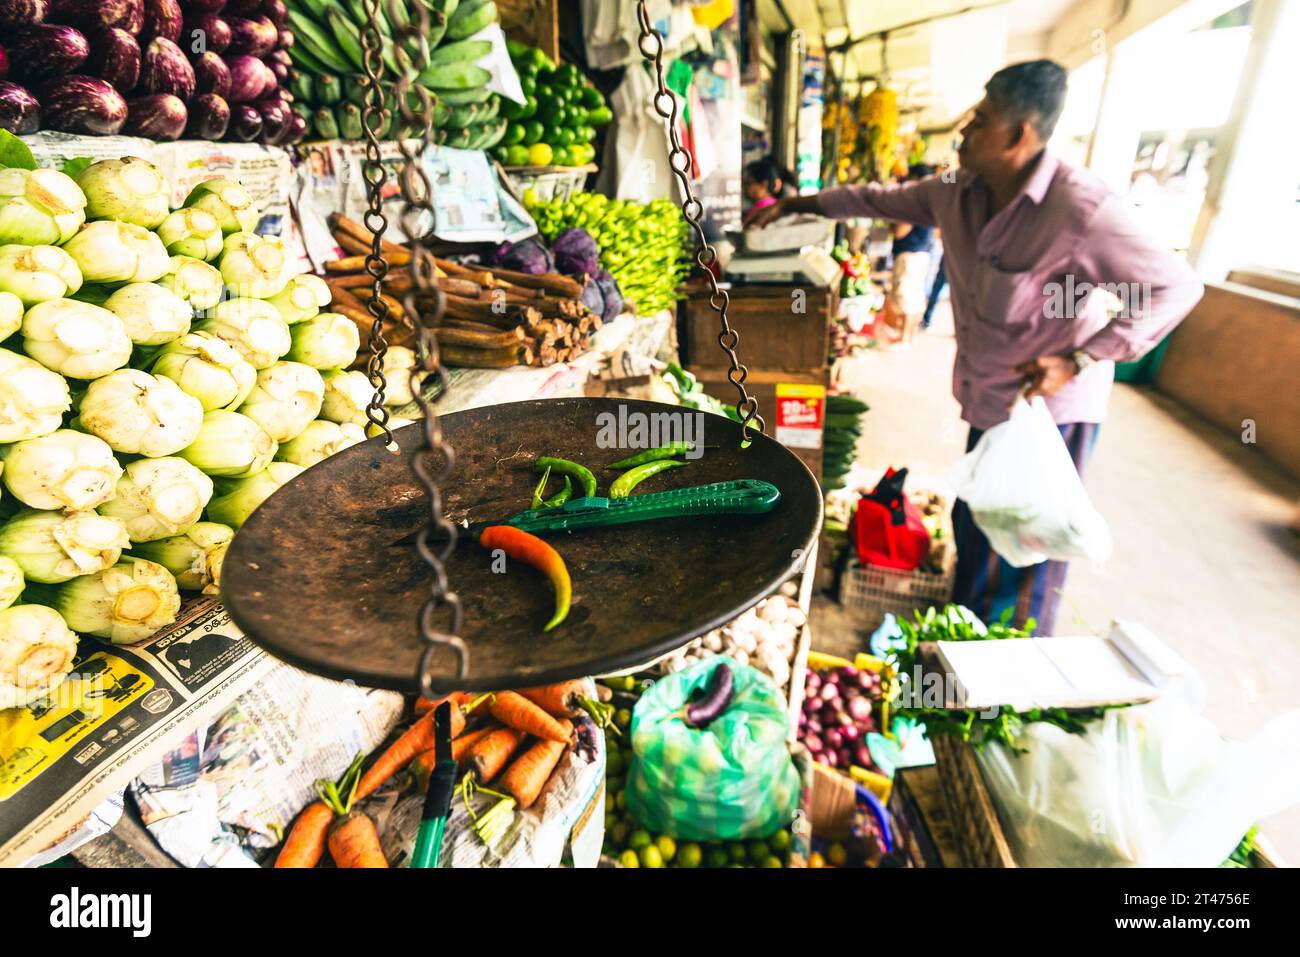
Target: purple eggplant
[(247, 78), (716, 698), (199, 7), (82, 104), (206, 32), (294, 133), (243, 8), (245, 122), (209, 117), (278, 56), (4, 64), (275, 119), (114, 58), (127, 15), (45, 51), (254, 37), (22, 13), (159, 116), (212, 75), (164, 69), (281, 73), (286, 40), (275, 11), (162, 18), (20, 113)]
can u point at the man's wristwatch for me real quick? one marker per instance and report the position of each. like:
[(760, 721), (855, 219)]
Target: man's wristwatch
[(1081, 360)]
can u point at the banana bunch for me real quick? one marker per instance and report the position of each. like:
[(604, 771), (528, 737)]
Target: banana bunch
[(329, 89), (878, 115)]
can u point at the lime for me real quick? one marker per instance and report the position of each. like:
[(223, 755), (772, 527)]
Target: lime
[(539, 154), (620, 800), (759, 851), (837, 855), (529, 85), (518, 156), (623, 717), (629, 859), (772, 862), (530, 108), (564, 137), (689, 855), (736, 852), (667, 846), (613, 763), (618, 833), (639, 839), (780, 841), (717, 857), (533, 132), (515, 134), (561, 157), (650, 857), (530, 197)]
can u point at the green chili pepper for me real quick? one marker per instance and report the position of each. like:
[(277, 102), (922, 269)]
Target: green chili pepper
[(560, 497), (669, 451), (580, 473), (629, 480), (541, 487)]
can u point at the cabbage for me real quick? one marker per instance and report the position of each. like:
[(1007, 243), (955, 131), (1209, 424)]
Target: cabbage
[(576, 253), (530, 256), (613, 295)]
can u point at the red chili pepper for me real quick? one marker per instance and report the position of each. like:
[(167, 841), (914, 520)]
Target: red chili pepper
[(531, 550)]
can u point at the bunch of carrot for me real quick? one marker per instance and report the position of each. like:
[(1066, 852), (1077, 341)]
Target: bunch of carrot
[(519, 741)]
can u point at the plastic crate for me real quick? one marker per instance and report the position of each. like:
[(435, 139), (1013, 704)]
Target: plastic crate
[(874, 591), (551, 182)]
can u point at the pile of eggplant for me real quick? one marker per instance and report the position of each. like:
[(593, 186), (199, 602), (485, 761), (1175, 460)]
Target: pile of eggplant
[(162, 69)]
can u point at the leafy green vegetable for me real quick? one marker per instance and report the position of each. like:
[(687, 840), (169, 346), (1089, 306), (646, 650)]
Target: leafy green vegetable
[(14, 153), (951, 624), (73, 167)]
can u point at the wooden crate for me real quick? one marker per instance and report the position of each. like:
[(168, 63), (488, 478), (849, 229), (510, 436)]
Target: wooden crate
[(535, 22), (781, 328), (762, 386)]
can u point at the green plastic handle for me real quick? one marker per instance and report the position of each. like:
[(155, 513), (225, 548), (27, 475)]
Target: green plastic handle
[(741, 497)]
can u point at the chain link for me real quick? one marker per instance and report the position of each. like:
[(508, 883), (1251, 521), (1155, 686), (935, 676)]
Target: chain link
[(434, 461), (372, 169), (651, 45)]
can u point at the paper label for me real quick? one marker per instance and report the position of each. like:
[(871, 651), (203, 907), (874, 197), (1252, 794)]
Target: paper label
[(800, 415)]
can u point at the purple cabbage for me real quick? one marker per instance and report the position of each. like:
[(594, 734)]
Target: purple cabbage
[(20, 113), (115, 58), (593, 298), (612, 295), (197, 7), (276, 116), (576, 253), (209, 117), (530, 256)]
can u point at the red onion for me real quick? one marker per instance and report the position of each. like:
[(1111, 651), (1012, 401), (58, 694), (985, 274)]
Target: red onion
[(860, 709), (862, 756), (814, 744), (833, 738), (850, 732), (828, 758)]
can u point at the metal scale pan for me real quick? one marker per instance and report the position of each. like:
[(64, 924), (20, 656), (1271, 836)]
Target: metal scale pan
[(323, 576)]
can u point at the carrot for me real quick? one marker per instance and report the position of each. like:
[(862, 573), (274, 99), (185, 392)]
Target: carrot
[(354, 842), (515, 711), (305, 845), (531, 550), (491, 752), (526, 777), (424, 705), (416, 739), (423, 764), (564, 700)]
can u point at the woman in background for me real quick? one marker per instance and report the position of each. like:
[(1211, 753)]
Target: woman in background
[(764, 183)]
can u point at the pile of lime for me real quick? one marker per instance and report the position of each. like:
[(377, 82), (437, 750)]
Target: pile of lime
[(557, 124)]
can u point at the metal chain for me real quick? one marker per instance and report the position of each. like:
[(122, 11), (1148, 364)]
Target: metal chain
[(679, 158), (372, 168), (434, 461)]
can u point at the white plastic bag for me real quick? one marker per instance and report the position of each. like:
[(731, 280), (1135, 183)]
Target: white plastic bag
[(1026, 495), (1152, 785)]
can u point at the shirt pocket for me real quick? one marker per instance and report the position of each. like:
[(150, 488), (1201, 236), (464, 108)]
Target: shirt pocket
[(1014, 300)]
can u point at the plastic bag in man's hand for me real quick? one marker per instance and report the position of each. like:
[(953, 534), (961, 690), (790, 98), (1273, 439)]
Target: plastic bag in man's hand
[(1026, 495)]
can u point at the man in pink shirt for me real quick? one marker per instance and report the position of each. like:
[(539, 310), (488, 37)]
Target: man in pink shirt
[(1027, 240)]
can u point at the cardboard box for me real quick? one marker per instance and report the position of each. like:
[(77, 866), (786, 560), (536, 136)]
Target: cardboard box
[(782, 328)]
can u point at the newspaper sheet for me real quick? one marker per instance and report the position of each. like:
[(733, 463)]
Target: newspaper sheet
[(232, 788), (264, 171), (115, 715)]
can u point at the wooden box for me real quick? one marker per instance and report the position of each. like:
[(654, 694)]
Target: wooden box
[(781, 328)]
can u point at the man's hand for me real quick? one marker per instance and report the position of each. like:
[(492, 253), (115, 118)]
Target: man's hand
[(1046, 375), (768, 214)]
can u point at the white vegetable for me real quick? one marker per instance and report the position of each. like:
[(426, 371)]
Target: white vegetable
[(228, 202), (208, 368), (157, 498), (36, 652), (192, 232), (287, 397), (131, 190), (75, 339), (32, 398), (245, 495), (253, 327), (52, 547), (197, 282), (11, 314), (37, 273), (64, 469), (39, 207), (108, 251), (302, 298), (326, 341), (124, 604), (318, 441), (399, 363), (140, 414), (254, 266), (12, 581), (193, 556), (230, 445), (151, 314), (346, 396)]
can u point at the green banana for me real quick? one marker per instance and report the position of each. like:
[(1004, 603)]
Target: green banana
[(328, 89), (349, 120), (327, 127), (300, 85), (459, 139), (463, 116), (437, 27), (496, 131), (462, 51), (479, 94), (492, 109), (455, 76), (310, 8), (304, 61), (345, 33), (471, 16), (317, 42)]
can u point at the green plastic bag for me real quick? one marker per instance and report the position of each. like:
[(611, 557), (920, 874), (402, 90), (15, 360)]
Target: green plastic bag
[(733, 779)]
